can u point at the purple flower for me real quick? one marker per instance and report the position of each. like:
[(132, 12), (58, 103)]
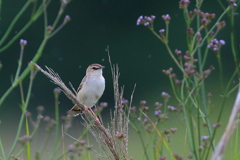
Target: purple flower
[(157, 113), (124, 101), (133, 109), (67, 18), (204, 21), (215, 45), (178, 52), (158, 104), (167, 72), (232, 3), (146, 21), (221, 24), (57, 90), (222, 42), (204, 138), (140, 20), (64, 1), (201, 148), (216, 125), (162, 30), (71, 147), (171, 108), (40, 109), (196, 11), (103, 104), (166, 17), (173, 130), (183, 4), (146, 24), (49, 28), (118, 107), (143, 102), (23, 42), (165, 95), (190, 31), (199, 36)]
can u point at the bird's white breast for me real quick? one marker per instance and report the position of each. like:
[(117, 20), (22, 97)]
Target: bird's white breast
[(92, 90)]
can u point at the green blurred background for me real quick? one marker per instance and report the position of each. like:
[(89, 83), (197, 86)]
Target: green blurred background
[(95, 24)]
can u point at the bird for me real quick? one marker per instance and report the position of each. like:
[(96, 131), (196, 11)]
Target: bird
[(90, 89)]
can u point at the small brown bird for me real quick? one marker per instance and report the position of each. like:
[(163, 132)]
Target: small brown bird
[(90, 89)]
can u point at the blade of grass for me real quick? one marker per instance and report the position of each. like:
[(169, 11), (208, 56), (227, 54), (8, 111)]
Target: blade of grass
[(24, 106), (2, 149), (28, 143), (236, 147)]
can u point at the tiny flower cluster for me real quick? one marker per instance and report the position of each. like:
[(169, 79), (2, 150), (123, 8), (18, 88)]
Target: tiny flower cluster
[(146, 21), (193, 13), (183, 4), (166, 17), (143, 106), (16, 158), (205, 144), (172, 130), (189, 68), (78, 148), (99, 108), (50, 123), (121, 136), (24, 139), (67, 122), (147, 126), (216, 125), (190, 31), (23, 42), (158, 113), (215, 45), (162, 158), (67, 19), (232, 3), (221, 24), (173, 75), (177, 156), (206, 18)]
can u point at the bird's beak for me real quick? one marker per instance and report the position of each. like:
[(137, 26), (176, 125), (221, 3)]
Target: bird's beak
[(103, 67)]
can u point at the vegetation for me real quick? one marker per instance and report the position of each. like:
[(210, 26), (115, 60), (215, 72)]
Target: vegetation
[(187, 80)]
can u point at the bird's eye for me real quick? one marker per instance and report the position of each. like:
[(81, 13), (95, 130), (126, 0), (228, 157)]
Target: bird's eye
[(95, 68)]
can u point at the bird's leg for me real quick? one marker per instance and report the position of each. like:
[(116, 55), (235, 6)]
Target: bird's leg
[(97, 121), (90, 111), (85, 108)]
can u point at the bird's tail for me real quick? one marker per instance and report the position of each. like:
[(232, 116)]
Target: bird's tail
[(75, 111)]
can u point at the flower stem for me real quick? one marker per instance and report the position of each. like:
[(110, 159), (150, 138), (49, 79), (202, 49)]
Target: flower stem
[(14, 21)]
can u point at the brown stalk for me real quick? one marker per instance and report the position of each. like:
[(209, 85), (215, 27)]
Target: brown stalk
[(231, 126)]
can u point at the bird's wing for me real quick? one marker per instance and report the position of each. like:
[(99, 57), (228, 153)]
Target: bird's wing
[(81, 84)]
